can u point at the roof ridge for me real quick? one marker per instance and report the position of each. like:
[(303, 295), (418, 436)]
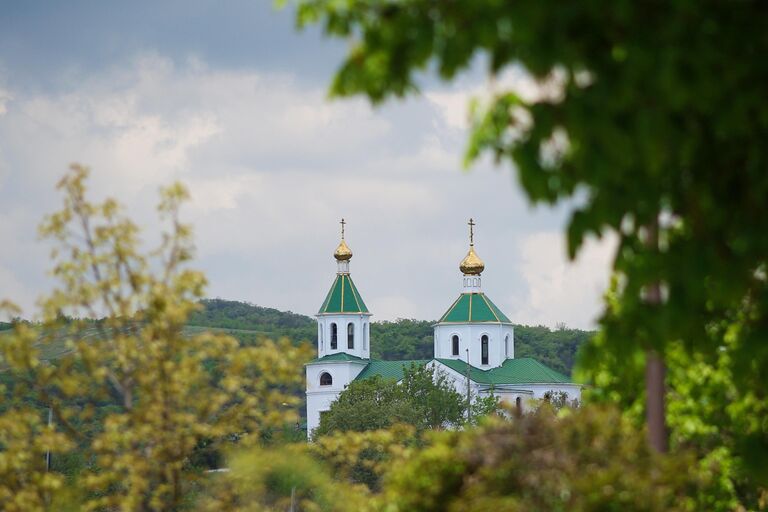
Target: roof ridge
[(328, 297), (527, 371), (549, 370), (450, 308), (354, 294), (488, 303)]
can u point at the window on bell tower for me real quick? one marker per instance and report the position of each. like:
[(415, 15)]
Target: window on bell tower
[(334, 336), (455, 345), (350, 335), (484, 349)]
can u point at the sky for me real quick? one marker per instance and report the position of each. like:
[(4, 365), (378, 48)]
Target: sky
[(229, 99)]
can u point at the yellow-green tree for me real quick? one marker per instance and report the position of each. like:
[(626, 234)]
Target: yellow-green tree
[(170, 391)]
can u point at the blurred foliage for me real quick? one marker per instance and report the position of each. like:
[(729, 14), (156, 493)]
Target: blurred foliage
[(709, 412), (645, 115), (280, 479), (365, 457), (591, 459), (588, 459), (167, 392)]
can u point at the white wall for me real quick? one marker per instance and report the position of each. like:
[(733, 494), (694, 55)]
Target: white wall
[(528, 393), (319, 398), (470, 336), (362, 325)]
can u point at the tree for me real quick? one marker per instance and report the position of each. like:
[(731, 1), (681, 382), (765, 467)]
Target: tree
[(709, 412), (165, 393), (369, 404), (655, 118), (425, 399), (592, 459)]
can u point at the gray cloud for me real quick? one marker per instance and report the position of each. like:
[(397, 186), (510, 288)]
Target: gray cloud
[(272, 166), (231, 100)]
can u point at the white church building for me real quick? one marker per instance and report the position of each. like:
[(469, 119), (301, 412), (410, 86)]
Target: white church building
[(473, 341)]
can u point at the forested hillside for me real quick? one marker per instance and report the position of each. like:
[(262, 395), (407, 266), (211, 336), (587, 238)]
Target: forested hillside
[(401, 339), (398, 340), (242, 316)]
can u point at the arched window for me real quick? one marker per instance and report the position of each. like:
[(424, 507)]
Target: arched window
[(334, 336), (455, 345), (506, 346), (350, 335), (365, 336), (322, 344), (519, 404), (326, 379), (484, 349)]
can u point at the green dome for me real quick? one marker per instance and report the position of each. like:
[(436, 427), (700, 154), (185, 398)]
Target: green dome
[(343, 298), (474, 308)]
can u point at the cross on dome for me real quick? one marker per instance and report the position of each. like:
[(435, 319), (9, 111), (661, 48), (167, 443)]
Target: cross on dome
[(471, 265), (343, 252)]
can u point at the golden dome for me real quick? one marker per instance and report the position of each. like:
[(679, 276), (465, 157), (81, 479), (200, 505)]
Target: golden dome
[(472, 264), (343, 252)]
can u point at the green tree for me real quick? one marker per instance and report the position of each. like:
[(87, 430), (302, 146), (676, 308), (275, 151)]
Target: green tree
[(653, 117), (592, 459), (169, 392), (709, 412), (369, 404), (403, 339), (425, 399)]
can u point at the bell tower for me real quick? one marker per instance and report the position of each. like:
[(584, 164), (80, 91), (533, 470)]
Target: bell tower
[(473, 327), (343, 322)]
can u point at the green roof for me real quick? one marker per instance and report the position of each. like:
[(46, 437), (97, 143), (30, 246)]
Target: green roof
[(474, 307), (514, 371), (343, 297), (388, 369), (339, 356)]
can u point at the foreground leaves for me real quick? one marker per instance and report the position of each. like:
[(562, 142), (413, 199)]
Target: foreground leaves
[(133, 395)]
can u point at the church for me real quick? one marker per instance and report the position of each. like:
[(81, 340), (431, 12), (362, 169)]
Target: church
[(474, 345)]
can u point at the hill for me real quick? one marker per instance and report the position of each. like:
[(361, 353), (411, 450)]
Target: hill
[(246, 321), (397, 340)]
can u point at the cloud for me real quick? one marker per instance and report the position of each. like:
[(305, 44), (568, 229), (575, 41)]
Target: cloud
[(453, 102), (559, 290), (5, 97), (272, 166)]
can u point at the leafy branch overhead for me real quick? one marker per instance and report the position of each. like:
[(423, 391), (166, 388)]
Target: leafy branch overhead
[(650, 121)]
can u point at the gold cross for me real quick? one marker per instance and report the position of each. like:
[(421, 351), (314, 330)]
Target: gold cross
[(342, 228), (471, 232)]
